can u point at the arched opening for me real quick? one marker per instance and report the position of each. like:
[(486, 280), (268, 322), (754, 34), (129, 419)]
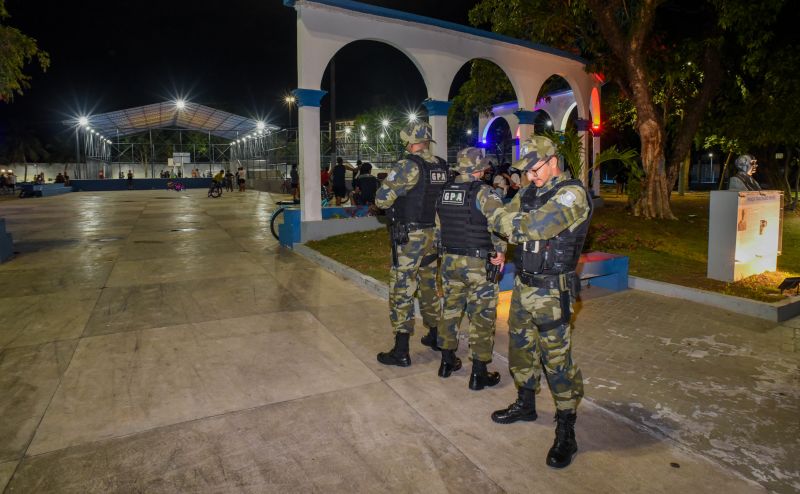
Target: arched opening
[(372, 89), (498, 140), (542, 122), (478, 116), (556, 97)]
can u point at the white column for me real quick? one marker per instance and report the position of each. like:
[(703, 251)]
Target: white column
[(439, 124), (596, 175), (308, 146), (309, 166), (585, 136), (437, 117), (525, 131)]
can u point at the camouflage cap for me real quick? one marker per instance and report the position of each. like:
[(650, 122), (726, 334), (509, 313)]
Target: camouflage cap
[(471, 160), (417, 132), (532, 150)]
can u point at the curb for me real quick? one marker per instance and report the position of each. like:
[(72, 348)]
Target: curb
[(368, 282), (775, 312)]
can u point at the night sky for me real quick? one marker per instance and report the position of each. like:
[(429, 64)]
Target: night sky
[(237, 55)]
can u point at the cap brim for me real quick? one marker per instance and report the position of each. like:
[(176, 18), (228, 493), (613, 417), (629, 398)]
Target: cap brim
[(526, 161)]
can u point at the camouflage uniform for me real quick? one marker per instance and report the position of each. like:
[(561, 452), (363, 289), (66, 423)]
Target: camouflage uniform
[(549, 220), (465, 287), (417, 260), (532, 306)]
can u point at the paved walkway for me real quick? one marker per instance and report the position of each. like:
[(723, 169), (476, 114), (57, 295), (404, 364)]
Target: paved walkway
[(162, 342)]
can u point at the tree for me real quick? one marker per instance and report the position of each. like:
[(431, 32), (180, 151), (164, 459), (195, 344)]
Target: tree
[(23, 146), (664, 55), (755, 107), (16, 51)]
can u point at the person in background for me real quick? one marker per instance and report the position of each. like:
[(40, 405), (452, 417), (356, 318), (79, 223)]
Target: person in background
[(241, 175), (366, 185), (229, 181)]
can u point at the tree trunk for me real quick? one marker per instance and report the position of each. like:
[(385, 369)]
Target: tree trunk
[(683, 184), (724, 169), (654, 202)]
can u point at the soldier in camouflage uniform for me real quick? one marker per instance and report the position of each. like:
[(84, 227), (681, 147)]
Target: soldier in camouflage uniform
[(466, 245), (409, 194), (548, 220)]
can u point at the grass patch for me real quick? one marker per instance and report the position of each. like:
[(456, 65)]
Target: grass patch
[(669, 251), (367, 252)]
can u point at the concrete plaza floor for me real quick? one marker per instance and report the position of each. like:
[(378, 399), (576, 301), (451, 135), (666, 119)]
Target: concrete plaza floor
[(162, 342)]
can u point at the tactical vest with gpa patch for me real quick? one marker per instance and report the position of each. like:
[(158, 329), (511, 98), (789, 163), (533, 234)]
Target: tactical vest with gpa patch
[(463, 226), (419, 204), (556, 255)]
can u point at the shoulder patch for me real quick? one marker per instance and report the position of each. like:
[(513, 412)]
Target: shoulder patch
[(566, 198), (494, 195)]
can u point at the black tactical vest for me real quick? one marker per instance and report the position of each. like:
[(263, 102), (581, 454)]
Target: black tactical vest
[(463, 225), (419, 203), (555, 255)]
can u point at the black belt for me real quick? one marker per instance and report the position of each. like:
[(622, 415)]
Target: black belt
[(410, 227), (548, 281), (459, 251)]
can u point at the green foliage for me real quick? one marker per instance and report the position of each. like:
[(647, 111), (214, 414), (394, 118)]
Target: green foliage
[(570, 147), (16, 51)]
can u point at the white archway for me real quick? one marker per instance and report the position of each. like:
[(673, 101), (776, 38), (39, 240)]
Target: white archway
[(438, 49)]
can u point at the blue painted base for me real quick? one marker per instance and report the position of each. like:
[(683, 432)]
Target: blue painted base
[(289, 231), (138, 184)]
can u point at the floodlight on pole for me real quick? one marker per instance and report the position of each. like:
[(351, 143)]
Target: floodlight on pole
[(180, 104), (385, 123), (260, 125), (363, 127), (83, 121), (412, 117)]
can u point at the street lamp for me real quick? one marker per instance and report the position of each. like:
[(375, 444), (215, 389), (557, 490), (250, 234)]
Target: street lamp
[(83, 121), (412, 117), (180, 104), (289, 100), (711, 166)]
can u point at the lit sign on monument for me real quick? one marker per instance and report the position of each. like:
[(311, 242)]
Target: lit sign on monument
[(744, 233)]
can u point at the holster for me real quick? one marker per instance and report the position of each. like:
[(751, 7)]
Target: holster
[(568, 285)]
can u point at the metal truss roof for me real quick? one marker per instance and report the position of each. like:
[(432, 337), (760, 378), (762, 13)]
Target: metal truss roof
[(192, 116)]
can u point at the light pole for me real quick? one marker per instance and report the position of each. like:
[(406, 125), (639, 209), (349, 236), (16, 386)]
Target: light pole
[(290, 103), (711, 166)]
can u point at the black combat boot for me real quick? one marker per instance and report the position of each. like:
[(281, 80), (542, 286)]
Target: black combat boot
[(564, 447), (481, 377), (522, 409), (430, 339), (398, 355), (450, 363)]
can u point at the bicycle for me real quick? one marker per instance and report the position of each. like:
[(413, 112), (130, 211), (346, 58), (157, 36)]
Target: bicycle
[(215, 190), (276, 219)]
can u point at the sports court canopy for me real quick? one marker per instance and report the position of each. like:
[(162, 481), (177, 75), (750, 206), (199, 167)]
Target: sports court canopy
[(174, 115)]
